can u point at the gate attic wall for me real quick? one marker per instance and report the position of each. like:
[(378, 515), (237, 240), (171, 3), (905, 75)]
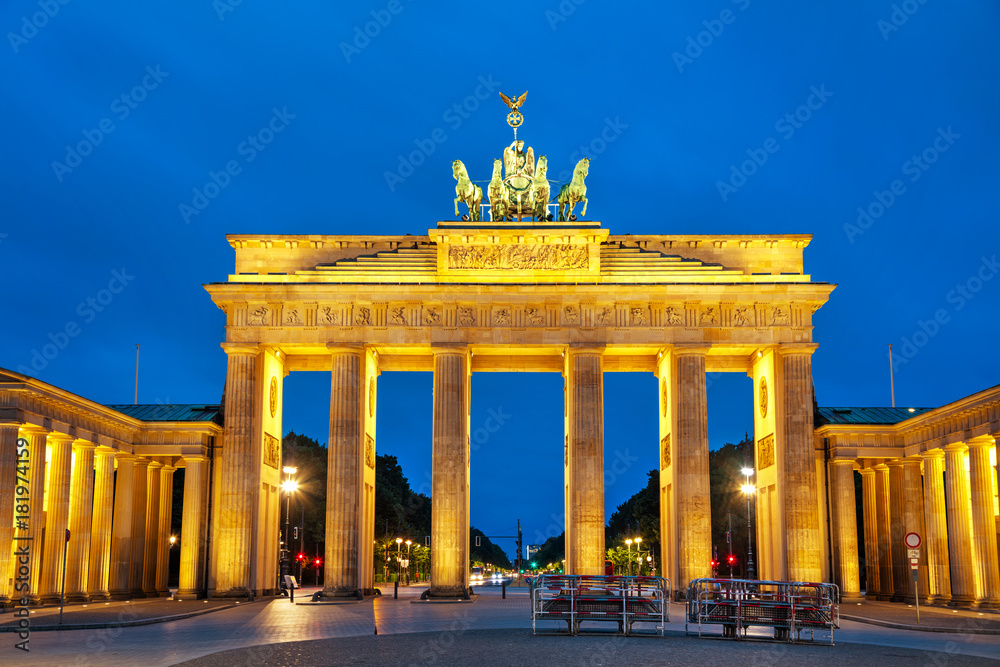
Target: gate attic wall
[(571, 299)]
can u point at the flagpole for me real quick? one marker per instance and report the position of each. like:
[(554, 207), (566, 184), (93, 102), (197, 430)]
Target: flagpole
[(892, 384), (137, 374)]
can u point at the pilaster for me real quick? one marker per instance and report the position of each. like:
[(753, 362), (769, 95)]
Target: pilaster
[(81, 510), (963, 578)]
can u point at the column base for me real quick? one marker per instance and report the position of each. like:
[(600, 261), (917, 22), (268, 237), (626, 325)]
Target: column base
[(939, 600), (987, 603), (338, 594), (964, 601), (120, 595), (100, 597), (852, 596), (77, 597), (189, 595), (51, 599), (449, 593), (234, 593)]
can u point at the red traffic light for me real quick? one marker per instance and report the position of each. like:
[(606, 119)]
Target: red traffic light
[(301, 557), (732, 559), (318, 562)]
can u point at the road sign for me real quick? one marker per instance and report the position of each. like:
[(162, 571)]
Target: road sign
[(912, 540), (914, 563), (913, 553)]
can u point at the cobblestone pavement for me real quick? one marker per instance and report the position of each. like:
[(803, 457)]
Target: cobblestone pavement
[(278, 632), (930, 617), (119, 612)]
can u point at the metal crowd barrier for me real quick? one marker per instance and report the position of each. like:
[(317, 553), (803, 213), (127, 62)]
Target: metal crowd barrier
[(788, 607), (577, 599)]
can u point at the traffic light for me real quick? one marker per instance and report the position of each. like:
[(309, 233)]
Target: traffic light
[(318, 562), (295, 533), (301, 557), (732, 559), (715, 564)]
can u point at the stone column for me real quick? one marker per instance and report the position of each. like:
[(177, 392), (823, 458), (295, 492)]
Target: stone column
[(963, 578), (139, 499), (193, 527), (869, 513), (151, 543), (694, 507), (100, 531), (57, 516), (845, 529), (802, 533), (883, 514), (983, 522), (8, 483), (935, 543), (34, 533), (897, 529), (450, 483), (237, 479), (345, 461), (585, 458), (913, 522), (81, 511), (121, 528), (163, 539)]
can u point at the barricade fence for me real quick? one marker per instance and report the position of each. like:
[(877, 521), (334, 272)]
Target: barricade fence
[(788, 607), (578, 599)]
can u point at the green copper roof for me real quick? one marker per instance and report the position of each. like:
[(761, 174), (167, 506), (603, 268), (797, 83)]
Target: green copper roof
[(873, 416), (172, 413)]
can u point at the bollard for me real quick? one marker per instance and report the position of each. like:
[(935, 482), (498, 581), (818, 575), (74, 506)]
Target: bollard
[(395, 590), (503, 589)]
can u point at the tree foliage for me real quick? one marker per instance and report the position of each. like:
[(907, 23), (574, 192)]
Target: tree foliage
[(487, 553), (726, 479), (639, 516)]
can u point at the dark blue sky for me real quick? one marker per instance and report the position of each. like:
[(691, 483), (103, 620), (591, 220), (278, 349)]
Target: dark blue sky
[(683, 92)]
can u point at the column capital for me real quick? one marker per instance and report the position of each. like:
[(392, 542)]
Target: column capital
[(866, 471), (84, 444), (167, 468), (894, 463), (932, 454), (843, 459), (691, 349), (585, 348), (124, 456), (981, 441), (346, 348), (105, 451), (786, 349), (233, 349), (960, 447), (55, 436), (153, 465), (447, 348), (32, 429), (189, 458)]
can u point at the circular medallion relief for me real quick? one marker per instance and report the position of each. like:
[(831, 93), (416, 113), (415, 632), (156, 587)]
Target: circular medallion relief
[(371, 397), (763, 397), (274, 395), (664, 397)]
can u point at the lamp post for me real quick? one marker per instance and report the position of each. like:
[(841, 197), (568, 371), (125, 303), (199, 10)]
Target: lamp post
[(749, 489), (408, 543), (629, 543), (288, 486)]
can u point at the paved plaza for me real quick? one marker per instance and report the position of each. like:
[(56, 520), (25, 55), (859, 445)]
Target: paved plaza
[(490, 630)]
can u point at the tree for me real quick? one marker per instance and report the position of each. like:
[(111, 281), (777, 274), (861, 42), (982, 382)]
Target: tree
[(309, 457), (487, 553), (726, 479), (639, 516), (552, 551)]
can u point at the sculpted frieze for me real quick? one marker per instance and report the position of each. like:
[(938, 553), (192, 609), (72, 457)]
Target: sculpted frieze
[(534, 316), (519, 256), (258, 316), (743, 316), (674, 316)]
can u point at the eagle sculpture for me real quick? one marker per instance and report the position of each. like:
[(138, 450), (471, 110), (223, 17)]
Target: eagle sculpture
[(514, 104)]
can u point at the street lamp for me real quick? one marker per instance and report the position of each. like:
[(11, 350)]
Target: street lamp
[(407, 566), (749, 489), (288, 486), (399, 541), (629, 543)]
